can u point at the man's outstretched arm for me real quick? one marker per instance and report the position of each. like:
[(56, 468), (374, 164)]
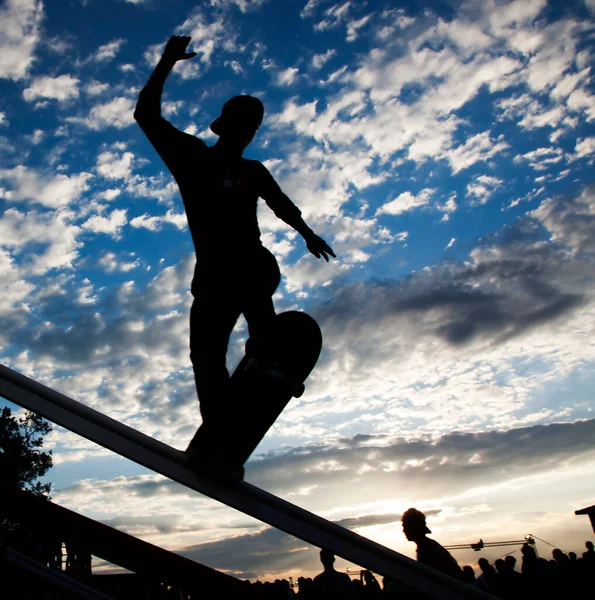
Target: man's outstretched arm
[(148, 107), (287, 211)]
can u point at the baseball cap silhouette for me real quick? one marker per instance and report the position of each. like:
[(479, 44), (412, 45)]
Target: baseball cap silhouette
[(240, 111)]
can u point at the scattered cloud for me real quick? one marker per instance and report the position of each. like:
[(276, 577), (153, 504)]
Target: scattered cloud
[(41, 187), (107, 52), (116, 113), (406, 201), (61, 88), (20, 33), (288, 76), (113, 165)]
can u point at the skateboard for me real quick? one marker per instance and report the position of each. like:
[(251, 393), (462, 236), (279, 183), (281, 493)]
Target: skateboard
[(259, 390)]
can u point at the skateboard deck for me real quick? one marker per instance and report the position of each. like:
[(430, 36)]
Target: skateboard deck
[(293, 343)]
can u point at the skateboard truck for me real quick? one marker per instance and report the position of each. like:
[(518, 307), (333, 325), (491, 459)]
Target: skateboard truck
[(259, 363)]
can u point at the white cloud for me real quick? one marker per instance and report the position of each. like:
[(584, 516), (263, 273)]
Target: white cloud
[(288, 76), (115, 113), (334, 16), (243, 5), (207, 35), (319, 60), (310, 8), (478, 147), (111, 225), (107, 52), (3, 119), (570, 222), (20, 22), (112, 264), (354, 26), (235, 66), (481, 189), (110, 194), (451, 243), (112, 165), (48, 189), (585, 146), (53, 230), (61, 88), (542, 158), (37, 136), (582, 101), (95, 88), (155, 222), (406, 201), (170, 107)]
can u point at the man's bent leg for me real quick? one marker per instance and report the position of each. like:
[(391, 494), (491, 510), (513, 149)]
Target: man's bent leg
[(257, 296)]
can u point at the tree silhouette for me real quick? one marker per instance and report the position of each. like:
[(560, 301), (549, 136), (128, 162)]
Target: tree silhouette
[(22, 462)]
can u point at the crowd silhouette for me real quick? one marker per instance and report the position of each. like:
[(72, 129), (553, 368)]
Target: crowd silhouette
[(563, 576)]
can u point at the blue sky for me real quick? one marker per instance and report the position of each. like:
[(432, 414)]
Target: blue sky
[(445, 151)]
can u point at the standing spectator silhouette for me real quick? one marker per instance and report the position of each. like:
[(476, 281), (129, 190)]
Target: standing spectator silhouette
[(330, 584), (235, 274), (429, 551), (512, 580), (536, 574), (370, 588), (589, 555), (469, 575), (489, 580)]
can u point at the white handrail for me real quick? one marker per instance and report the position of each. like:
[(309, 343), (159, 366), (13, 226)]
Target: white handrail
[(250, 500)]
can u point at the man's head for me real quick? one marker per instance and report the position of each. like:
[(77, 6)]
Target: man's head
[(414, 524), (240, 118), (327, 558), (485, 565)]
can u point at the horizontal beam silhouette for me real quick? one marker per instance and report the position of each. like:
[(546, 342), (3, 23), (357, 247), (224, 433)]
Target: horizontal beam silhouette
[(250, 500)]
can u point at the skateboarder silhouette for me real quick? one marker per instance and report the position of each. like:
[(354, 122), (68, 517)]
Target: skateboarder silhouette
[(234, 274)]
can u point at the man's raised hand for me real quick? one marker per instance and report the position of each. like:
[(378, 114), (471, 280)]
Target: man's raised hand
[(175, 49), (318, 247)]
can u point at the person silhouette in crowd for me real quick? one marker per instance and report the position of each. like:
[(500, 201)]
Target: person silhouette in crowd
[(469, 576), (235, 274), (589, 555), (536, 573), (330, 584), (429, 551), (370, 588), (489, 580)]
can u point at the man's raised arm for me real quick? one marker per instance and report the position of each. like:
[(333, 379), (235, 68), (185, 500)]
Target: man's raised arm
[(148, 107)]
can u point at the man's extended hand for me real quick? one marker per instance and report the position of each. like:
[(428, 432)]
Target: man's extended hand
[(175, 49), (318, 247)]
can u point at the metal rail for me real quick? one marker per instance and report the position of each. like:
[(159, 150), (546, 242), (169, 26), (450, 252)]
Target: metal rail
[(250, 500)]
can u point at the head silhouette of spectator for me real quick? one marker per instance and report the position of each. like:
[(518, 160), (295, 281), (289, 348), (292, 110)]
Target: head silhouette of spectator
[(485, 566), (327, 558), (510, 561), (468, 574), (414, 525), (330, 584), (429, 551), (500, 566)]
